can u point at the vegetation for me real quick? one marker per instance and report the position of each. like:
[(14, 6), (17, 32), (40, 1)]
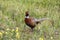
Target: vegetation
[(12, 13)]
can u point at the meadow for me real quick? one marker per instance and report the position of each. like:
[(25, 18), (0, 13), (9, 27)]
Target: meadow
[(13, 27)]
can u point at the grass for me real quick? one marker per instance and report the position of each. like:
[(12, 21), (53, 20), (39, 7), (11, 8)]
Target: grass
[(12, 13)]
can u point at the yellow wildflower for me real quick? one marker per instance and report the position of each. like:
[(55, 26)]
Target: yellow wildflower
[(40, 38), (1, 34), (6, 32), (17, 35), (8, 29), (51, 37), (16, 29)]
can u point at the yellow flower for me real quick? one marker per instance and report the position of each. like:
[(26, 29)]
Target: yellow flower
[(17, 35), (1, 34), (8, 29), (40, 38), (51, 37), (16, 29), (6, 32)]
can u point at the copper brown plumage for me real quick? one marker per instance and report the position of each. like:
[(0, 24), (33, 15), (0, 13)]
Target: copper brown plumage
[(31, 22)]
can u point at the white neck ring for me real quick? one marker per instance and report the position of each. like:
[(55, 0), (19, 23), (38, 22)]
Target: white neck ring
[(26, 16)]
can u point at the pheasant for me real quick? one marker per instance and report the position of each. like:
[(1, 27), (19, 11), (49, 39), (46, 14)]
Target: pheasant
[(32, 22)]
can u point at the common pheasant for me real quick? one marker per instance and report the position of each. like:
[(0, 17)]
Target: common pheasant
[(32, 22)]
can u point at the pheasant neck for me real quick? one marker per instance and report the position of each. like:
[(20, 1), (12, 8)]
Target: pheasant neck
[(26, 16)]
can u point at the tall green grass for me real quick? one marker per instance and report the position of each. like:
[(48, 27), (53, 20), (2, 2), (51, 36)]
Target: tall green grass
[(12, 14)]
